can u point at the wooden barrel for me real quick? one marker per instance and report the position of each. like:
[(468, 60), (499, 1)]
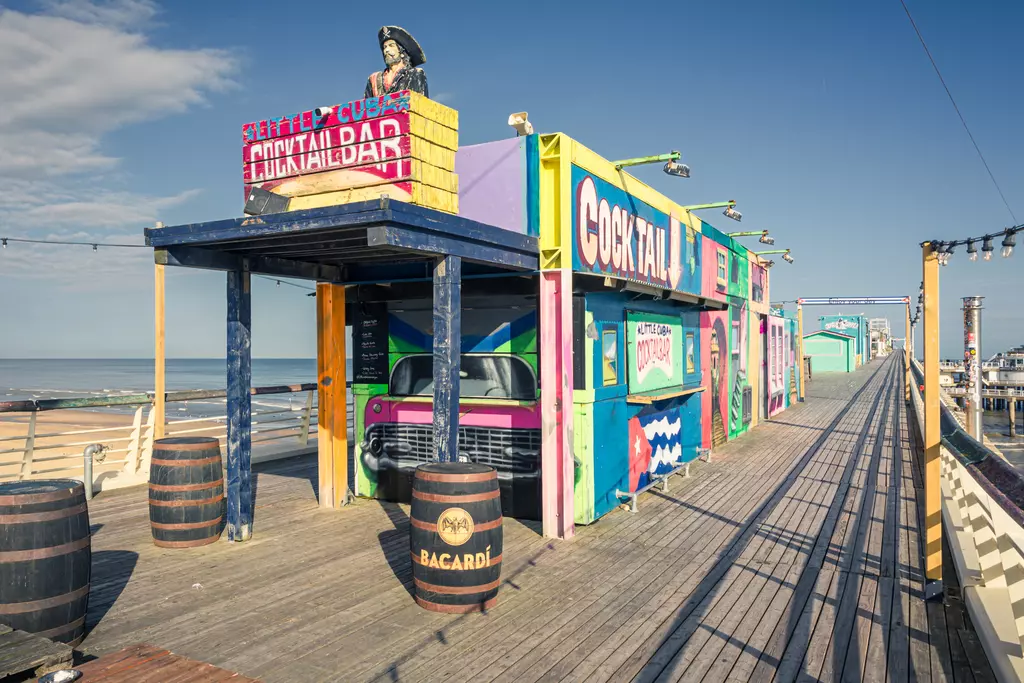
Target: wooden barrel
[(45, 558), (455, 536), (186, 492)]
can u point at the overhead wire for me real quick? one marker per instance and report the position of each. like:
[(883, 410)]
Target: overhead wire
[(957, 108)]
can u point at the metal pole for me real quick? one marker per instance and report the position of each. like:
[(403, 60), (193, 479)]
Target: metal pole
[(972, 365), (932, 433), (800, 347)]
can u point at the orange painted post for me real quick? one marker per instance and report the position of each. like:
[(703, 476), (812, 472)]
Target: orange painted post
[(906, 357), (332, 426), (932, 435), (159, 353)]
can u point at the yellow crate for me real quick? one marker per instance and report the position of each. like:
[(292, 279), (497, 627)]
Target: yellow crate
[(434, 111), (409, 192)]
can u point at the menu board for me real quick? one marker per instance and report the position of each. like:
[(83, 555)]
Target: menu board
[(370, 342)]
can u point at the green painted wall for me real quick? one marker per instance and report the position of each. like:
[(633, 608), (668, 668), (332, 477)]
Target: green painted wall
[(830, 353)]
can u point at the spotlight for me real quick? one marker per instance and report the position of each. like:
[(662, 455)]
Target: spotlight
[(1009, 242), (321, 112), (519, 121), (787, 258), (987, 249), (769, 263), (677, 169), (766, 238), (729, 212), (972, 251)]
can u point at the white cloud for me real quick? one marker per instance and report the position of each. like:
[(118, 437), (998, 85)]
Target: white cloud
[(69, 75), (113, 13)]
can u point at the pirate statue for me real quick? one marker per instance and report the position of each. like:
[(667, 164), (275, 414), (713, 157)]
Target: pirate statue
[(402, 56)]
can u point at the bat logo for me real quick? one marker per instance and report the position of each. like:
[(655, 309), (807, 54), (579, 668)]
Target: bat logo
[(455, 526)]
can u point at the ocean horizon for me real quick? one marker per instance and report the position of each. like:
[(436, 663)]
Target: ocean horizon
[(47, 378)]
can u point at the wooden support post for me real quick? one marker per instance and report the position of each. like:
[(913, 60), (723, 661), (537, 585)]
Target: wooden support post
[(159, 352), (239, 475), (906, 358), (332, 410), (557, 462), (447, 356), (800, 347), (932, 434), (1011, 406)]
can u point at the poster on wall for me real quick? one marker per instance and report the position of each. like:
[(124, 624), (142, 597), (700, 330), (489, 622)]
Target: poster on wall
[(370, 339), (654, 350)]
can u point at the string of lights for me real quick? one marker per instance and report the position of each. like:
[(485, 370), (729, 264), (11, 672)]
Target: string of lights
[(95, 245), (944, 248)]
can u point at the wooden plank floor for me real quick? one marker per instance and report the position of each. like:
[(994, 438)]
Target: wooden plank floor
[(794, 555)]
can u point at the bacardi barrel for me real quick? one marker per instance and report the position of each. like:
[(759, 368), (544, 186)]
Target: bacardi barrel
[(186, 492), (456, 537)]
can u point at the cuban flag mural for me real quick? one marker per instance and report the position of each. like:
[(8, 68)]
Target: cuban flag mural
[(654, 445)]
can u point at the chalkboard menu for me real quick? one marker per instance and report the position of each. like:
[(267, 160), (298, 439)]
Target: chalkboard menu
[(370, 342)]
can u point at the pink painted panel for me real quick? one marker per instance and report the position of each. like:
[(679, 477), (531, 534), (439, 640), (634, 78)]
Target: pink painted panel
[(306, 121), (470, 414), (362, 155), (326, 138), (557, 464)]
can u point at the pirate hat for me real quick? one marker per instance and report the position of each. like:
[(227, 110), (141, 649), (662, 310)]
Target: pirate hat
[(406, 41)]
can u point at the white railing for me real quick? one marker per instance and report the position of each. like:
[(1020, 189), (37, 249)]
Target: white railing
[(42, 452), (988, 393), (958, 365), (986, 536)]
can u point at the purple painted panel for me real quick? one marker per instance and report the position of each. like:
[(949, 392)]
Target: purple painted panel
[(492, 183)]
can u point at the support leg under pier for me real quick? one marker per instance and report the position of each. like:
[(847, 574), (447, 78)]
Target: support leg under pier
[(239, 474)]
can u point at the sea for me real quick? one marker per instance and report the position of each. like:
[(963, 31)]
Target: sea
[(48, 378)]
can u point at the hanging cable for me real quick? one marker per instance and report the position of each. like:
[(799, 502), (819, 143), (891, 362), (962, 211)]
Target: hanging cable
[(953, 101), (94, 245)]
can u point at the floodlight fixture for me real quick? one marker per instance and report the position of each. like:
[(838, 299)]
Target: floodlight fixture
[(519, 121)]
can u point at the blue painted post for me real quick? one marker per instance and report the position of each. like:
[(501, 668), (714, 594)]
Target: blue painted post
[(447, 351), (239, 482)]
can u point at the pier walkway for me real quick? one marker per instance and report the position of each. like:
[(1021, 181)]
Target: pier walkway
[(794, 555)]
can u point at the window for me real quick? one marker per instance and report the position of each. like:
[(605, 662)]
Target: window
[(723, 270), (481, 376), (691, 362), (735, 345), (610, 356)]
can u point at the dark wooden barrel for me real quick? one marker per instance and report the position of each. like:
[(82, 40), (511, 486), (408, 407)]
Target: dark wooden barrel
[(186, 492), (45, 558), (455, 536)]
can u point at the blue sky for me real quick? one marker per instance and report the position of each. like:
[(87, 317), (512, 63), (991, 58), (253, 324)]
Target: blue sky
[(824, 121)]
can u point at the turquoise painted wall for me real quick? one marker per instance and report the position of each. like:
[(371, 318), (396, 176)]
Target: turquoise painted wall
[(830, 353)]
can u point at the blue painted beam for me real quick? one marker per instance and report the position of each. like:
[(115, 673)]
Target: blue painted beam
[(447, 356), (239, 408), (418, 239), (193, 257), (340, 216), (356, 215)]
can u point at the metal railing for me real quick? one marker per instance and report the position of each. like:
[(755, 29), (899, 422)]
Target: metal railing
[(125, 450), (982, 497), (988, 393), (959, 365)]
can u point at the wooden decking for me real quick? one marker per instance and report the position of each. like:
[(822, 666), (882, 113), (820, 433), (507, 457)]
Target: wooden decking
[(794, 555)]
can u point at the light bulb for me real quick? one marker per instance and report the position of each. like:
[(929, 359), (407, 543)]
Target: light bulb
[(973, 256), (988, 256), (1007, 251)]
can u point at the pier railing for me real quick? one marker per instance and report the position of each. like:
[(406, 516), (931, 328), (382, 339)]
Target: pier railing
[(982, 500), (126, 439)]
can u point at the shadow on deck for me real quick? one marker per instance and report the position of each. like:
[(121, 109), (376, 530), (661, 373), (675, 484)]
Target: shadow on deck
[(793, 556)]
